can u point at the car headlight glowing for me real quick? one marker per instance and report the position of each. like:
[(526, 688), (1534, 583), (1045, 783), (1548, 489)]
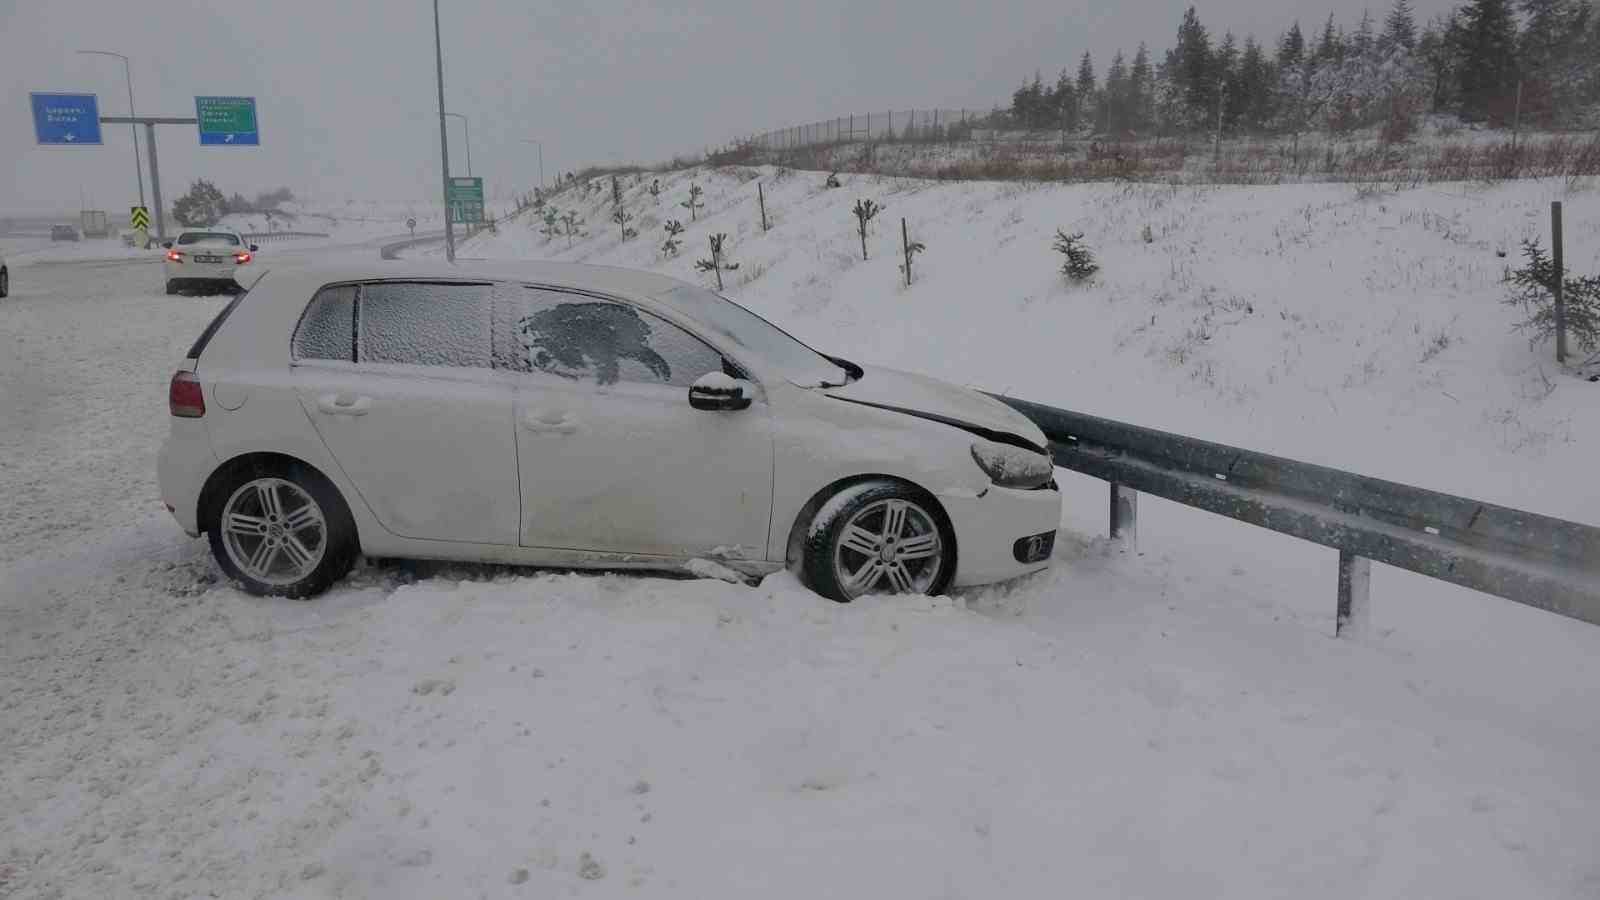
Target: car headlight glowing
[(1012, 467)]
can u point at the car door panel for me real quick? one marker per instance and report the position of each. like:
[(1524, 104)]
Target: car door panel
[(611, 456), (432, 457), (396, 378)]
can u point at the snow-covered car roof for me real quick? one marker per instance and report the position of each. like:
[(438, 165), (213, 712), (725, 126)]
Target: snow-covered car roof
[(601, 279)]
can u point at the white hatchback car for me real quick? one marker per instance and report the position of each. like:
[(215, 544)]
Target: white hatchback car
[(553, 414), (207, 259)]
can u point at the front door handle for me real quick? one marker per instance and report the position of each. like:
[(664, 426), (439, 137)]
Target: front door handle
[(550, 423), (344, 404)]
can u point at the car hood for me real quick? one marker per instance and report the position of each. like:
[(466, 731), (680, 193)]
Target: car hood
[(930, 398)]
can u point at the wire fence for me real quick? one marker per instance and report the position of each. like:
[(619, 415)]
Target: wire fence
[(888, 125)]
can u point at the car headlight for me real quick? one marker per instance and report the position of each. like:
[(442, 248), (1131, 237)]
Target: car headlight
[(1012, 467)]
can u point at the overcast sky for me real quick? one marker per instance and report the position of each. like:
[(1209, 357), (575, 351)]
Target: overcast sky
[(347, 98)]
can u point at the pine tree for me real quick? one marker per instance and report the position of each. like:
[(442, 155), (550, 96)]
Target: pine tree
[(1065, 102), (1141, 88), (1486, 62), (1362, 43), (1225, 74), (865, 211), (717, 263), (1116, 91), (1086, 90), (1253, 96), (1195, 71), (1330, 49), (1399, 29), (1291, 47)]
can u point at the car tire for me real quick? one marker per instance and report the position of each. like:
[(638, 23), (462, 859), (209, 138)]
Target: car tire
[(878, 536), (5, 284), (280, 529), (172, 286)]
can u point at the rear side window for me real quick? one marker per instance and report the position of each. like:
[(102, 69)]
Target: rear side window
[(412, 323), (424, 324), (328, 328)]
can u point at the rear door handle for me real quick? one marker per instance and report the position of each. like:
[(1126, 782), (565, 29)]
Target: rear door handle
[(344, 404), (550, 423)]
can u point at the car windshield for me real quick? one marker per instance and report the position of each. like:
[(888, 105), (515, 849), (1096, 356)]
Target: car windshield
[(219, 237), (793, 360)]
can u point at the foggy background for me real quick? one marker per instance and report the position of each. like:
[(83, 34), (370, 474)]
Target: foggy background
[(347, 103)]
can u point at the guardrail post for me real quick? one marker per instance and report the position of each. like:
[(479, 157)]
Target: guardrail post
[(1125, 515), (1355, 595)]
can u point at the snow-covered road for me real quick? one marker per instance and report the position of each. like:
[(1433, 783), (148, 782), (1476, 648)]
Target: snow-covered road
[(1174, 724)]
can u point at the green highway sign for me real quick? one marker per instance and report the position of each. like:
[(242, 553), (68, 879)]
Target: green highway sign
[(466, 201), (227, 120)]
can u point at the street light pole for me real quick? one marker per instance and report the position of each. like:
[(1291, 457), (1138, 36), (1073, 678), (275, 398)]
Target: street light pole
[(444, 140), (466, 127), (540, 145), (127, 71)]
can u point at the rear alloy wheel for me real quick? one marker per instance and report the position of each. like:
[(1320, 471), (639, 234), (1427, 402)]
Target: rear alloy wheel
[(172, 286), (282, 532), (879, 537)]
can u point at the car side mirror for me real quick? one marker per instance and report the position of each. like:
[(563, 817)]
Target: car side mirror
[(167, 245), (254, 248), (717, 391)]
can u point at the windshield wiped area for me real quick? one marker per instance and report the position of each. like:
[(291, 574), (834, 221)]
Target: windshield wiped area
[(793, 360), (216, 237)]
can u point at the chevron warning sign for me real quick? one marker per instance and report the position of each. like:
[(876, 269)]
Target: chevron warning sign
[(139, 218)]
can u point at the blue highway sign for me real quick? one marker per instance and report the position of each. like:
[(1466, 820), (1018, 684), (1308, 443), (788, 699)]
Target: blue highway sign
[(66, 120)]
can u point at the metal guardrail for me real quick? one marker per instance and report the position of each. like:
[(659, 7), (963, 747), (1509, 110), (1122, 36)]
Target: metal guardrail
[(1532, 559), (392, 251), (283, 235)]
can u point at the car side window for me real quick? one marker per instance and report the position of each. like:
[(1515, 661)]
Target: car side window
[(424, 324), (328, 327), (588, 339)]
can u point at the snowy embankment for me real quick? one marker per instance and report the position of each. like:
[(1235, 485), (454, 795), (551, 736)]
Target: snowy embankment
[(344, 223), (1176, 723)]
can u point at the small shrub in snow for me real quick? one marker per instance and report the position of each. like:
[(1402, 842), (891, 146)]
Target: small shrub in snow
[(552, 223), (1534, 292), (1148, 235), (1079, 264), (717, 263), (620, 214), (655, 191), (673, 228), (833, 181), (694, 202), (569, 223), (864, 211), (912, 248)]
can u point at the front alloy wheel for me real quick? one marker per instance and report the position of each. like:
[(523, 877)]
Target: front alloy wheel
[(879, 537)]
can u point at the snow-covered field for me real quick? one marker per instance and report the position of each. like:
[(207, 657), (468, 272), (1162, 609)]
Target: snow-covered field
[(1173, 723)]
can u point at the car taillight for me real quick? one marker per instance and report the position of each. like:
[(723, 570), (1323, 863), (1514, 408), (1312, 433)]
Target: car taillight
[(175, 256), (184, 396), (241, 257)]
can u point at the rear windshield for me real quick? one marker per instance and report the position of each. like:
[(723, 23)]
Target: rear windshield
[(205, 336), (195, 237)]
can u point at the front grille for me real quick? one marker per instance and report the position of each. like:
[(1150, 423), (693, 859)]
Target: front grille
[(1034, 548)]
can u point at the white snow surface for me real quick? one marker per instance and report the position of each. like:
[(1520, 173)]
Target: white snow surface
[(1172, 722)]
